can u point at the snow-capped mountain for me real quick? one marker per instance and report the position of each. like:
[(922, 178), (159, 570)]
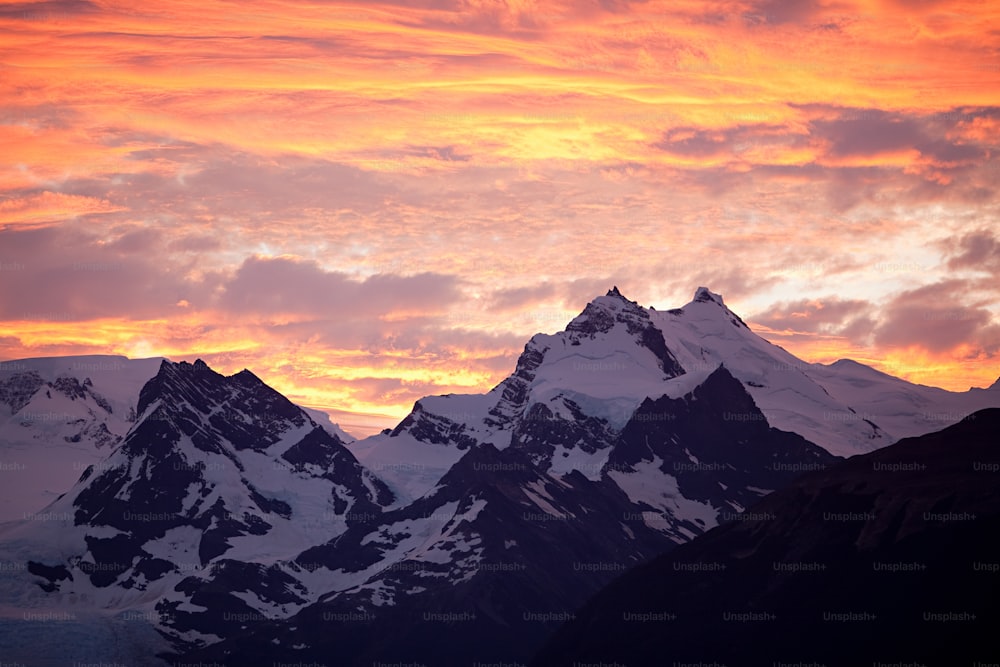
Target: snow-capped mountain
[(845, 407), (247, 530), (57, 417), (571, 393), (217, 474), (508, 546)]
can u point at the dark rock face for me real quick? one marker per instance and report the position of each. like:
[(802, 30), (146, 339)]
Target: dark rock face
[(485, 566), (540, 431), (50, 574), (717, 444), (886, 557), (18, 389), (71, 387), (503, 571), (437, 429), (240, 409), (514, 389), (199, 465), (598, 318)]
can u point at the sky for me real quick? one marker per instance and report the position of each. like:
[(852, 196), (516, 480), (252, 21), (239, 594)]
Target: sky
[(370, 202)]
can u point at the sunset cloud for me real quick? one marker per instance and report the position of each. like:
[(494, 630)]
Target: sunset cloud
[(940, 317), (368, 202), (977, 251), (834, 316), (49, 207)]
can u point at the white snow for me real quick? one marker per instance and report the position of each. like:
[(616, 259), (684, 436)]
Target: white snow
[(902, 408), (812, 400), (323, 419), (410, 467), (565, 461), (53, 538), (536, 497), (651, 486), (39, 461)]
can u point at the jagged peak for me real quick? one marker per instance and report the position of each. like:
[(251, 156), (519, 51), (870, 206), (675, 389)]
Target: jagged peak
[(172, 376), (247, 374), (615, 293), (602, 313), (721, 373), (613, 302), (703, 294), (198, 365)]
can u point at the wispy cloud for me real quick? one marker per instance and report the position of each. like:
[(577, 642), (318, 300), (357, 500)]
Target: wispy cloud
[(373, 201)]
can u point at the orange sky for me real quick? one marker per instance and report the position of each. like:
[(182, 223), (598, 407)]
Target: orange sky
[(369, 202)]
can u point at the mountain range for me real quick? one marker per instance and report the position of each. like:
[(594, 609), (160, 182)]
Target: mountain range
[(887, 558), (209, 519)]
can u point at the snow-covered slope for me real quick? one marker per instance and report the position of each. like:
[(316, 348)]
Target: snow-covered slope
[(573, 391), (568, 396), (705, 333), (57, 417), (216, 470), (846, 407), (902, 408), (333, 428)]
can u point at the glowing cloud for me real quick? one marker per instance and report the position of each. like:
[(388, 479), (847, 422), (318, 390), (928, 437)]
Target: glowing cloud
[(369, 202)]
